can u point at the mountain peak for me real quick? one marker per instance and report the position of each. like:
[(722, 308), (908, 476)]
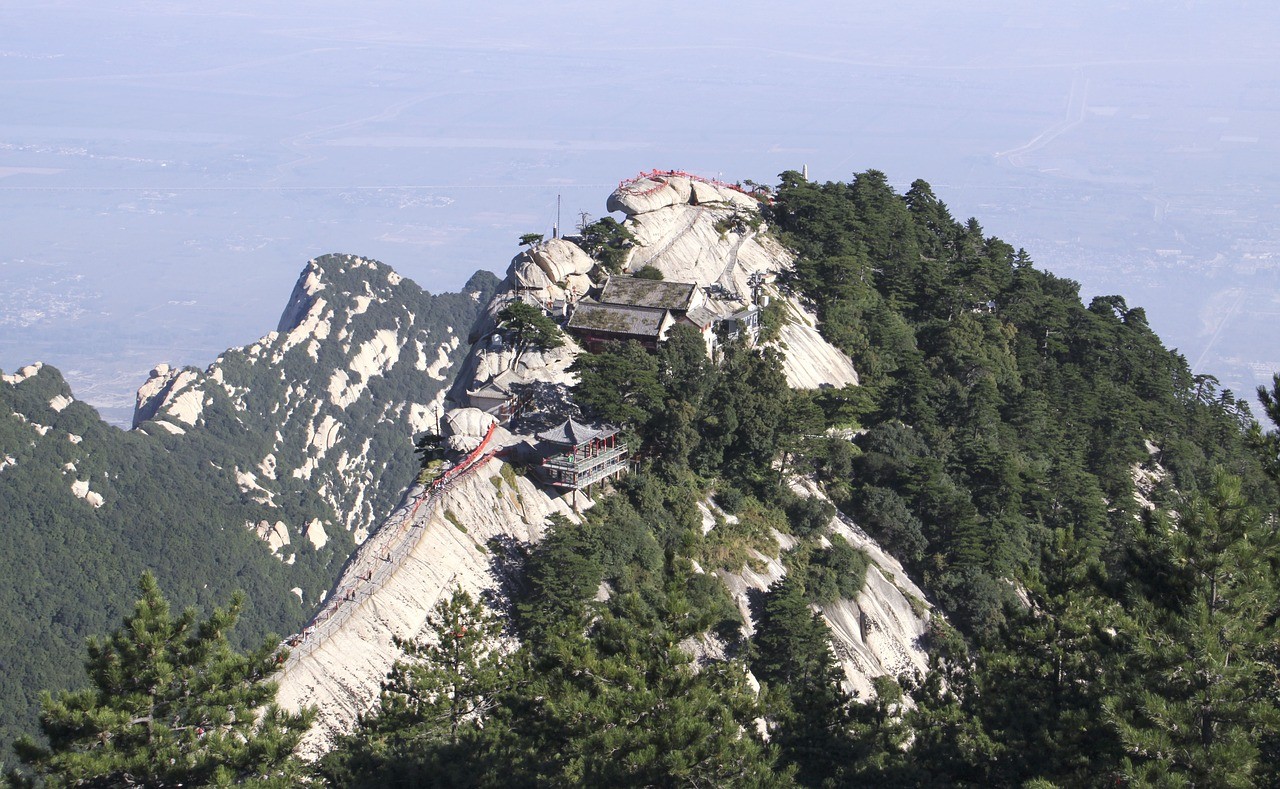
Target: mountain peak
[(339, 276), (42, 382)]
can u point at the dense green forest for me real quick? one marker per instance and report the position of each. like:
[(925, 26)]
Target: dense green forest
[(1006, 430), (1095, 523), (169, 702)]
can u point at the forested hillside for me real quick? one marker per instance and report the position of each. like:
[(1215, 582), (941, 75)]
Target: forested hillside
[(1092, 516), (255, 448), (1095, 523)]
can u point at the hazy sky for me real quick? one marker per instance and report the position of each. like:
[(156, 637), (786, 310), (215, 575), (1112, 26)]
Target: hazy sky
[(166, 169)]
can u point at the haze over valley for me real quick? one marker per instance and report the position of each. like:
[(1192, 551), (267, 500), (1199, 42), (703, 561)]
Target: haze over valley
[(165, 172)]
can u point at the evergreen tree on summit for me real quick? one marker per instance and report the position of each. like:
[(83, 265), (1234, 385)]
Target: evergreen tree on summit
[(1269, 443), (529, 327), (430, 720)]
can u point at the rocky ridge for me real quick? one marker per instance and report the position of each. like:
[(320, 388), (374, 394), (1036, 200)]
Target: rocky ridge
[(260, 472), (356, 366), (691, 231)]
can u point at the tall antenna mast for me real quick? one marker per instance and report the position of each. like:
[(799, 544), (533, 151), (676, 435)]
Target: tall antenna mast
[(555, 231)]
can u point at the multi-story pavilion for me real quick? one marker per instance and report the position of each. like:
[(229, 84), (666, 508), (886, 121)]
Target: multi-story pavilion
[(581, 455)]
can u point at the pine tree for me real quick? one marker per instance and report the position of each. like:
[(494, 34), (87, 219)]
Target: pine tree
[(447, 680), (1202, 649), (430, 721), (529, 328), (169, 703), (1268, 443), (623, 705), (620, 385), (1041, 690), (808, 709)]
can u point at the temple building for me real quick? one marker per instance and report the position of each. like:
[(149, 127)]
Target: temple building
[(596, 325), (629, 308), (499, 397), (577, 456), (644, 310)]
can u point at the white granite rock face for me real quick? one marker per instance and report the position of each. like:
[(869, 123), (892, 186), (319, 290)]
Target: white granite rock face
[(343, 675), (527, 365), (559, 259), (423, 416), (878, 632), (150, 394), (23, 374), (355, 314), (170, 394), (316, 534), (809, 360), (80, 489), (713, 243), (644, 195), (275, 535), (465, 428)]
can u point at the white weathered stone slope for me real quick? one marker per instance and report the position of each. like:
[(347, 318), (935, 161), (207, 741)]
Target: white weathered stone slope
[(356, 315), (23, 374), (808, 359), (343, 675), (169, 393), (710, 241), (876, 633)]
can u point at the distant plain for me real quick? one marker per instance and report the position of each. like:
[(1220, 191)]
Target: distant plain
[(165, 172)]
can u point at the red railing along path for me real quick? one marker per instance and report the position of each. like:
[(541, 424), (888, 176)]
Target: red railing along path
[(379, 557)]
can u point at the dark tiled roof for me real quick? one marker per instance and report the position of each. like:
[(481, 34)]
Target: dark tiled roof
[(573, 433), (617, 319), (701, 317), (648, 293)]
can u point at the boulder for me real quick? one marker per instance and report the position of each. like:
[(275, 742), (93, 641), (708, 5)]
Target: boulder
[(465, 428), (655, 192), (645, 195), (578, 284), (704, 193), (560, 259), (151, 395), (23, 374), (529, 277)]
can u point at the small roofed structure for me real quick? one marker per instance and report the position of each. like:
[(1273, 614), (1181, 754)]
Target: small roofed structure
[(499, 397), (577, 456), (743, 321), (596, 324), (705, 321)]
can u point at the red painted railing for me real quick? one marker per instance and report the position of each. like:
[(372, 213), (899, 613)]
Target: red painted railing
[(659, 176)]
